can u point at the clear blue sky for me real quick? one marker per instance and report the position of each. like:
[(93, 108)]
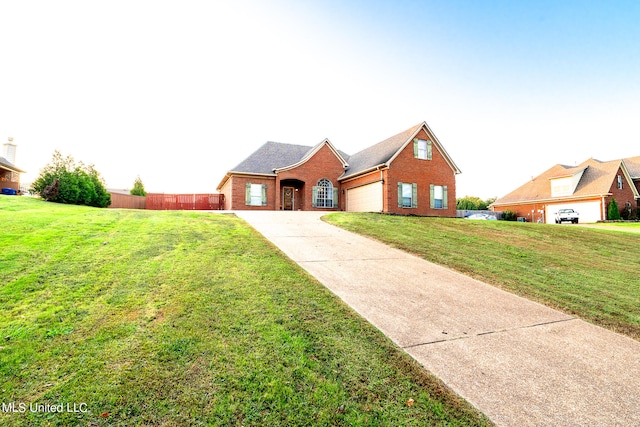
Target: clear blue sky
[(178, 92)]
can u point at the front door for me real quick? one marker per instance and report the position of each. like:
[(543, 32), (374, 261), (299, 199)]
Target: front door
[(288, 199)]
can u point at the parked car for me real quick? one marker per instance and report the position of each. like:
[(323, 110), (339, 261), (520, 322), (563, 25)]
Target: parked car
[(566, 215), (482, 216)]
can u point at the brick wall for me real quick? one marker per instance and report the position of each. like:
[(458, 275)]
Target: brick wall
[(405, 168), (622, 196), (9, 179), (524, 210), (235, 192), (323, 164), (368, 178), (227, 190)]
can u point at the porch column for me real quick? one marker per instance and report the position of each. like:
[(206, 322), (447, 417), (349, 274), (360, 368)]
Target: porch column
[(278, 206)]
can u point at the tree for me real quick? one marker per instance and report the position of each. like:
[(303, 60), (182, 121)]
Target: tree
[(138, 188), (472, 203), (51, 191), (102, 198), (613, 212), (490, 200), (64, 181), (509, 215), (466, 203)]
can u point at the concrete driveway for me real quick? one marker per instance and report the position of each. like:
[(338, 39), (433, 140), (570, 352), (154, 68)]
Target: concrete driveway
[(520, 363)]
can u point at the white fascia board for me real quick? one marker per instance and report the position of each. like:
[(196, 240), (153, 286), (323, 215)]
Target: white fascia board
[(438, 145), (312, 153)]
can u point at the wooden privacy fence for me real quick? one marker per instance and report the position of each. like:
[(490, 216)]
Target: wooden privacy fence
[(127, 201), (161, 201)]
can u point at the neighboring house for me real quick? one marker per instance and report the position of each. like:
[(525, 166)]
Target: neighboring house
[(409, 173), (587, 188), (9, 173)]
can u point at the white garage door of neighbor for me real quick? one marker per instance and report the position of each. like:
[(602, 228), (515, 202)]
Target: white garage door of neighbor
[(367, 198), (587, 211)]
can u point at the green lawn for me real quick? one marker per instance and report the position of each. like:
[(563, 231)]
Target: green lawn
[(632, 227), (186, 318), (593, 274)]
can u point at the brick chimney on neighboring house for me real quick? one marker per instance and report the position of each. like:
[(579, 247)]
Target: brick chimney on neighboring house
[(9, 151)]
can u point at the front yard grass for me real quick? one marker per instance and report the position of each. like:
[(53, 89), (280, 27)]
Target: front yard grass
[(592, 274), (631, 227), (186, 318)]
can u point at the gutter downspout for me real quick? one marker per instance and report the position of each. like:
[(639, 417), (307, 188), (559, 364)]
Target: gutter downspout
[(383, 189)]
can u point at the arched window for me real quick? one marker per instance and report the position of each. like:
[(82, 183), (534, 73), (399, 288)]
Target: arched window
[(324, 195)]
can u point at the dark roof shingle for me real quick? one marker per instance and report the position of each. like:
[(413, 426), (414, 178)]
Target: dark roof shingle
[(379, 153), (8, 165), (275, 155), (272, 155)]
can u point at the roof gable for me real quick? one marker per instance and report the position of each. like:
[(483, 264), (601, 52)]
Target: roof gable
[(569, 172), (310, 153), (270, 156), (566, 184), (378, 154), (273, 157), (383, 153), (596, 180), (537, 188)]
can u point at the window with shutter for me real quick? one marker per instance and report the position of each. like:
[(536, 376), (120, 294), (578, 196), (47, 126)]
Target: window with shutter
[(264, 195), (414, 195), (422, 149), (439, 197), (445, 198), (407, 195), (256, 194)]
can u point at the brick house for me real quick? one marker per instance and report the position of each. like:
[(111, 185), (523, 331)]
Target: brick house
[(587, 188), (409, 173), (9, 173)]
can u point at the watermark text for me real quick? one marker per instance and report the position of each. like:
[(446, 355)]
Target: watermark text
[(22, 407)]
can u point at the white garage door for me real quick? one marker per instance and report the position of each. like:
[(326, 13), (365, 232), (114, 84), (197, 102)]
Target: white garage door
[(367, 198), (587, 211)]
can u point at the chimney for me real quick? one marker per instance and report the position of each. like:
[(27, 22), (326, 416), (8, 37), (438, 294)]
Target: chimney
[(9, 151)]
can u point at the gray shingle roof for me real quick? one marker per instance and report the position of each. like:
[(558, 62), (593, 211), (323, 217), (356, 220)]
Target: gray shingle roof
[(272, 155), (276, 155), (379, 153), (8, 165)]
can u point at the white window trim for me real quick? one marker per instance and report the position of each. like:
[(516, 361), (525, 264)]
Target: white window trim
[(444, 194), (422, 149), (410, 188), (325, 195), (438, 196), (256, 194)]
